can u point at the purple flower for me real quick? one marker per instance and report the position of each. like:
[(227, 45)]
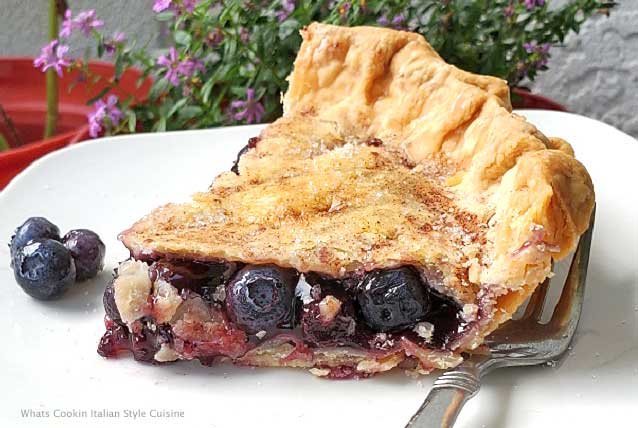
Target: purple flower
[(102, 112), (345, 8), (175, 67), (189, 5), (67, 24), (188, 67), (110, 46), (250, 110), (161, 5), (244, 35), (85, 21), (396, 23), (214, 38), (508, 11), (52, 56), (175, 6), (539, 54), (532, 47), (171, 63), (288, 7), (531, 4)]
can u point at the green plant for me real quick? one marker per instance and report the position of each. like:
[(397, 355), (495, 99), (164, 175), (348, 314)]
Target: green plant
[(229, 59)]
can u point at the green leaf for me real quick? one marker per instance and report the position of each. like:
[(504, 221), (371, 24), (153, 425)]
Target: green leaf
[(132, 121), (159, 87), (4, 145), (161, 124), (206, 90), (179, 104), (182, 38), (100, 94), (189, 112), (287, 28), (119, 69)]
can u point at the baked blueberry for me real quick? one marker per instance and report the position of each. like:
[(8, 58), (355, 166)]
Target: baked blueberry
[(108, 299), (262, 297), (87, 250), (198, 276), (33, 228), (339, 330), (392, 299), (252, 143), (44, 269)]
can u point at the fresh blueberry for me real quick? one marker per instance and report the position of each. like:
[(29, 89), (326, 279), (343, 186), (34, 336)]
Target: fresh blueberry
[(33, 228), (87, 250), (392, 299), (262, 298), (44, 268)]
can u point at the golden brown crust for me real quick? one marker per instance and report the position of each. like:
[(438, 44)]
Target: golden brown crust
[(459, 186)]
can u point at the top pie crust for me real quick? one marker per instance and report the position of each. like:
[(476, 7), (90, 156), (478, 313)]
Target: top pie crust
[(387, 156)]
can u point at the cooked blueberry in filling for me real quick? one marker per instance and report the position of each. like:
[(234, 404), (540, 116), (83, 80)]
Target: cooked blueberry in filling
[(331, 318), (143, 339), (109, 302), (252, 143), (444, 315), (200, 277), (115, 340), (262, 297), (393, 299)]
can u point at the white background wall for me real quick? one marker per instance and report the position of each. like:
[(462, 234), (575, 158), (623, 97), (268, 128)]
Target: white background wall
[(595, 74)]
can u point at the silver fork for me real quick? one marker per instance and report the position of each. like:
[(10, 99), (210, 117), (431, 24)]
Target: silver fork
[(521, 342)]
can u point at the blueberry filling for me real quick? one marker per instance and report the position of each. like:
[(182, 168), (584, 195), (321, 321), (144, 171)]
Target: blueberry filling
[(200, 277), (252, 143), (446, 317), (262, 299), (143, 339)]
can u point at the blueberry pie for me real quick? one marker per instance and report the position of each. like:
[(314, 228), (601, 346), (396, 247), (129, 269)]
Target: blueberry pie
[(394, 216)]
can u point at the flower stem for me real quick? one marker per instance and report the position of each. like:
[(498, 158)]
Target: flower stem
[(52, 78), (12, 130)]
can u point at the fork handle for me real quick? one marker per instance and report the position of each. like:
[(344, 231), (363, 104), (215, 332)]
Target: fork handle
[(443, 404)]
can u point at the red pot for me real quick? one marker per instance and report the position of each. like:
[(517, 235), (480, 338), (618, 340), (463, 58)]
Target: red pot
[(524, 99), (23, 96)]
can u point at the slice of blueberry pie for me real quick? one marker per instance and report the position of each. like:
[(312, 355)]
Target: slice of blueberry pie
[(394, 216)]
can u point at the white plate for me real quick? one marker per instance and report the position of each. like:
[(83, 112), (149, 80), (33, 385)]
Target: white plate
[(47, 355)]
